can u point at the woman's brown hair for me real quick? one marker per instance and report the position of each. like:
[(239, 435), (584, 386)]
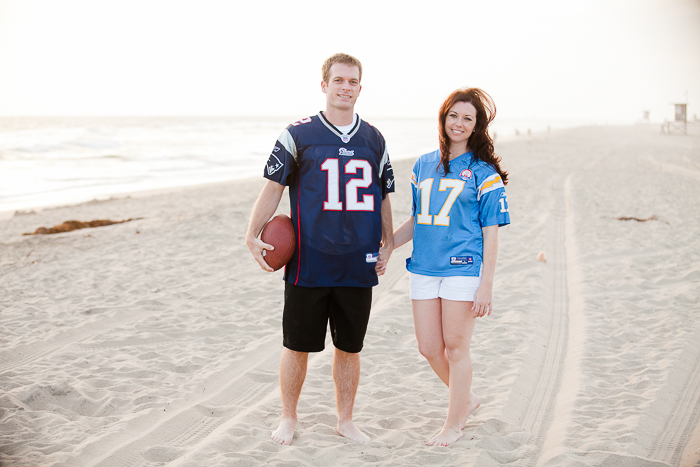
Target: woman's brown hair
[(480, 142)]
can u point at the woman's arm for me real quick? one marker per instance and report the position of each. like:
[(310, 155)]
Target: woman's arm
[(402, 235), (482, 298)]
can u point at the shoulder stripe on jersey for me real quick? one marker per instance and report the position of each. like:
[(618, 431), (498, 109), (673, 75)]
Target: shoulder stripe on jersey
[(332, 127), (491, 183), (382, 164), (414, 179), (287, 141)]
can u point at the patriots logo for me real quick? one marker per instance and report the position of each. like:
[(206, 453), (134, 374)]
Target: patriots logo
[(273, 164)]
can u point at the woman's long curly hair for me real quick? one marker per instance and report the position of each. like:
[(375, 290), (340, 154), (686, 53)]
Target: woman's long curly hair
[(480, 142)]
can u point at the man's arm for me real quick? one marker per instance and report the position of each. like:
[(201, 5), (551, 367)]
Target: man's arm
[(264, 208), (387, 236)]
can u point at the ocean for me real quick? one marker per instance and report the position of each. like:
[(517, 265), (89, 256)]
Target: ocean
[(58, 161)]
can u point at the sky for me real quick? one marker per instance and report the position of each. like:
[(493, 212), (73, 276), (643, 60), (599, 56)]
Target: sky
[(602, 61)]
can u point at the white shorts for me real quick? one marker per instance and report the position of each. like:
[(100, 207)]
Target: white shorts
[(456, 288)]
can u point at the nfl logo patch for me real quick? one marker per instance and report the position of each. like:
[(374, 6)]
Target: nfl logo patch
[(466, 174), (345, 138)]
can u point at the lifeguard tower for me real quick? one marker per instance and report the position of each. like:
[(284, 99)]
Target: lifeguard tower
[(680, 124)]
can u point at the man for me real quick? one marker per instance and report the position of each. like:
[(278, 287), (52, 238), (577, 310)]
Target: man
[(338, 172)]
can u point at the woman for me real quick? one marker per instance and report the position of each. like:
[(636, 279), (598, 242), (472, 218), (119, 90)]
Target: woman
[(459, 201)]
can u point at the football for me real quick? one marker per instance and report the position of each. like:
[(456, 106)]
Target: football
[(279, 232)]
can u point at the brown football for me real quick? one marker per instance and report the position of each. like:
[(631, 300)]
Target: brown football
[(279, 232)]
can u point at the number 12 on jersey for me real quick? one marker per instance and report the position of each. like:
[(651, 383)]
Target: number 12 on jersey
[(352, 203)]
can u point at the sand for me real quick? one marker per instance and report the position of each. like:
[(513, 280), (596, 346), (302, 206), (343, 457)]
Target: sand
[(157, 341)]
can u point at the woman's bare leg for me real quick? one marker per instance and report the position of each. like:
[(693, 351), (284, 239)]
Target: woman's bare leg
[(457, 328)]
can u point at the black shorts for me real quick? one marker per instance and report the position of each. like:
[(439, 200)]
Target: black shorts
[(307, 310)]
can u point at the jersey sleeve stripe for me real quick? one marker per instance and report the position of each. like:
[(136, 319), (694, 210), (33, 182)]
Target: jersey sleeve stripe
[(382, 164), (490, 184), (287, 141)]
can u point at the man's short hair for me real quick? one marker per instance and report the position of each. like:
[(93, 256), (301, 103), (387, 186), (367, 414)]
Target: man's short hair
[(339, 58)]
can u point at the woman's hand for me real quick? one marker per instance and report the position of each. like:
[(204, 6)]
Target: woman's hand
[(482, 305), (384, 255)]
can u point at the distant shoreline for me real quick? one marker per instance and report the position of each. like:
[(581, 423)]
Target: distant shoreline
[(400, 148)]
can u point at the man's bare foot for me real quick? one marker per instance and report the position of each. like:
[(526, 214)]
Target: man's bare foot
[(446, 437), (350, 431), (472, 404), (285, 432)]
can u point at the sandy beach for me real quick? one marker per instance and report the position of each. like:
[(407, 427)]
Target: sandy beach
[(157, 341)]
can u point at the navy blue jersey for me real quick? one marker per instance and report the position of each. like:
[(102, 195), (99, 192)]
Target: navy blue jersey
[(336, 186), (449, 212)]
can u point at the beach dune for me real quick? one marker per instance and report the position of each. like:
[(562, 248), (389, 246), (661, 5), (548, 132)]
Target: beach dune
[(157, 341)]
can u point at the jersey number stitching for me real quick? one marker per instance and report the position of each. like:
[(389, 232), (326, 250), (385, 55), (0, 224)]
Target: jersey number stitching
[(302, 121), (443, 217), (331, 167)]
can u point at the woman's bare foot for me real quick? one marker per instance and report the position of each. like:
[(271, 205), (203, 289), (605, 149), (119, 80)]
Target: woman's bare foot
[(285, 432), (350, 431), (472, 404), (446, 437)]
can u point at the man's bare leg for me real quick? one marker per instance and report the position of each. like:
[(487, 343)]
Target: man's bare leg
[(346, 374), (292, 375)]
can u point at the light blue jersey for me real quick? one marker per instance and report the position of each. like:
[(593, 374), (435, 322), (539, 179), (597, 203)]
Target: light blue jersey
[(449, 212)]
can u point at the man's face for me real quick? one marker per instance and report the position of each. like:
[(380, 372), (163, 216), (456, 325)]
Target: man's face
[(343, 86)]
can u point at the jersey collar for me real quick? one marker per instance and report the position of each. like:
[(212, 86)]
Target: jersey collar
[(330, 126), (465, 158)]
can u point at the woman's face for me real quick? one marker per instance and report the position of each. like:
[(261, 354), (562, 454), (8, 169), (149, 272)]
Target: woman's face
[(460, 122)]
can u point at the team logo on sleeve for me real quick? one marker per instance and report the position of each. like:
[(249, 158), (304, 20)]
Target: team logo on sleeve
[(273, 164), (388, 168), (465, 174)]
